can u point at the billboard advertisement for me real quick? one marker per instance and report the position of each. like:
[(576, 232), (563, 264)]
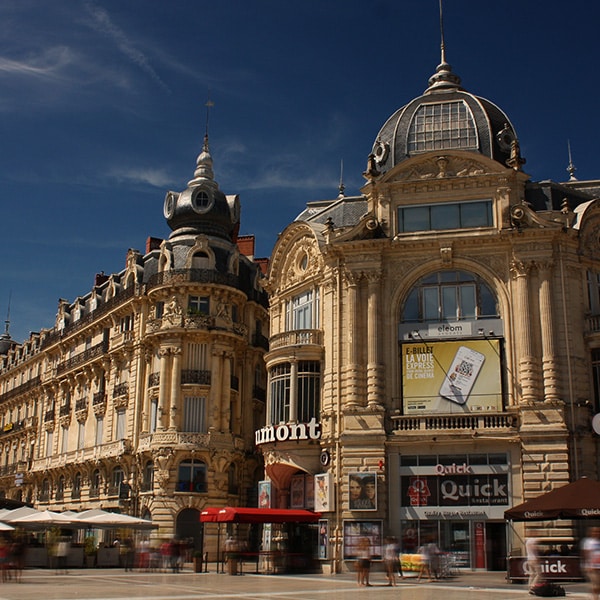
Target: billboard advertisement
[(458, 376)]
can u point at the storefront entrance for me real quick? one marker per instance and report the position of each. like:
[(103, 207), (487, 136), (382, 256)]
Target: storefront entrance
[(467, 544)]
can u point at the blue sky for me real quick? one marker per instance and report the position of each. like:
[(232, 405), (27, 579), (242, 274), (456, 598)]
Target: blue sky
[(102, 110)]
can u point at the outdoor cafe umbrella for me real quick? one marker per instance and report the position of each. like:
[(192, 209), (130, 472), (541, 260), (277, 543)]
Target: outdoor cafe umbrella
[(43, 519), (577, 500), (109, 520)]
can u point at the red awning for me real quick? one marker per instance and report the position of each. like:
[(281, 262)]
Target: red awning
[(209, 515), (234, 514)]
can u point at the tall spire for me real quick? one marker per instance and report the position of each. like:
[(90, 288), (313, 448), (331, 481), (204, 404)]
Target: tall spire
[(5, 340), (341, 187), (571, 167), (443, 78), (204, 162)]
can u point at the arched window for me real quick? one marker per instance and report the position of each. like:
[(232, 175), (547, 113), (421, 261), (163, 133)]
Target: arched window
[(76, 488), (118, 476), (232, 482), (201, 260), (95, 482), (60, 488), (148, 477), (449, 296), (192, 476)]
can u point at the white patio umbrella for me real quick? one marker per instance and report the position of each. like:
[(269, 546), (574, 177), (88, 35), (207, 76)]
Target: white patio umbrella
[(116, 521), (6, 527), (23, 511), (44, 518)]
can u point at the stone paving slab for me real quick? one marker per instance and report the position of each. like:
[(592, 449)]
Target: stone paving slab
[(116, 584)]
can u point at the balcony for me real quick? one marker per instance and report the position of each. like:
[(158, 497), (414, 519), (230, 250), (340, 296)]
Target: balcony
[(195, 376), (497, 423), (592, 324), (82, 357), (298, 337), (120, 389)]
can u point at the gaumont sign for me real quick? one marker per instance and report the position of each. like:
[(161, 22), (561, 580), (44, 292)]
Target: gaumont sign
[(288, 432)]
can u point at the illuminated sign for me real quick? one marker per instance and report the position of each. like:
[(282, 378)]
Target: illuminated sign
[(459, 376), (288, 431)]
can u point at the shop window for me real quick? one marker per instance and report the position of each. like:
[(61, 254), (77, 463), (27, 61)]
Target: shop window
[(191, 477), (449, 296)]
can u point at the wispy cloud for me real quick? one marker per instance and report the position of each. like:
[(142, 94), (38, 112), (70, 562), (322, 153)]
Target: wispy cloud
[(154, 177), (102, 23), (45, 65)]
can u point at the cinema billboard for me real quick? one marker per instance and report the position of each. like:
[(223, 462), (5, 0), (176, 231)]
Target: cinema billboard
[(459, 376)]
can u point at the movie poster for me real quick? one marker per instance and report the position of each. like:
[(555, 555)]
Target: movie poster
[(362, 491)]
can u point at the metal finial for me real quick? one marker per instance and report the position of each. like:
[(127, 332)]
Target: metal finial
[(209, 104), (7, 322), (342, 186), (442, 45), (571, 168)]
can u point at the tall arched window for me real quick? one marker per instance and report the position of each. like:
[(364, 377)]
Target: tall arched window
[(449, 296), (148, 477)]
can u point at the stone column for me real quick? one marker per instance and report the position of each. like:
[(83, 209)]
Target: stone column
[(226, 392), (175, 387), (374, 384), (293, 391), (162, 388), (522, 332), (351, 369), (215, 388), (549, 366)]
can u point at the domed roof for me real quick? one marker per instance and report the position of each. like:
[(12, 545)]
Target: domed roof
[(445, 118), (201, 208)]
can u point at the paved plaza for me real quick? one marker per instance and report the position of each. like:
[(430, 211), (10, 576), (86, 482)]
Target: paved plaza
[(116, 584)]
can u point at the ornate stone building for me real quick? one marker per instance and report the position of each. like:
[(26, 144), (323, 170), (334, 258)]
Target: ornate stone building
[(145, 396), (440, 331)]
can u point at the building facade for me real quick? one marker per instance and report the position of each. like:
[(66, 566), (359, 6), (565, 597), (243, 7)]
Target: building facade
[(434, 340), (145, 395)]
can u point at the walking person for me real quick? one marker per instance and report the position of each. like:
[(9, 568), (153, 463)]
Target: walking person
[(363, 564), (391, 560), (591, 560), (532, 550)]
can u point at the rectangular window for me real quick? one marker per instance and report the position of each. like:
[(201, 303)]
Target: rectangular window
[(197, 357), (49, 443), (194, 414), (596, 378), (303, 311), (153, 414), (80, 435), (280, 394), (121, 425), (435, 217), (64, 445), (593, 281), (199, 305), (99, 430), (309, 391)]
